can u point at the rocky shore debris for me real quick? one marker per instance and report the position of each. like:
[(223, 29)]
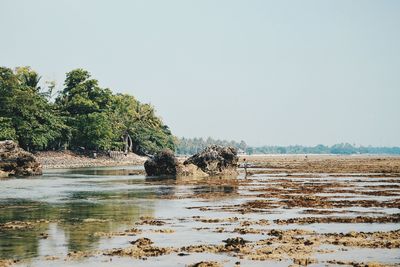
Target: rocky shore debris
[(297, 245), (235, 242), (142, 242), (7, 262), (216, 160), (128, 232), (141, 248), (359, 264), (206, 264), (212, 161), (395, 218), (16, 161)]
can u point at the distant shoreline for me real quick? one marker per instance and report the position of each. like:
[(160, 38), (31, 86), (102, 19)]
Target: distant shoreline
[(320, 155)]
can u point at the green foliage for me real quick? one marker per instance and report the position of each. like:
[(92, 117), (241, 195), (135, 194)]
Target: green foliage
[(83, 115), (82, 95), (28, 117), (28, 78), (7, 131), (147, 131), (93, 131), (149, 139)]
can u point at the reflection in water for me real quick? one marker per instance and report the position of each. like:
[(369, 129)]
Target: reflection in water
[(67, 207), (225, 189), (73, 221), (195, 187), (77, 222)]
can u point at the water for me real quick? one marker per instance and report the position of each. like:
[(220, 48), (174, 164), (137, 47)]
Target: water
[(69, 200), (78, 203)]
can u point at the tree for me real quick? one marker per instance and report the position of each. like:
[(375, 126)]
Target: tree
[(7, 131), (28, 116), (83, 115), (93, 131), (85, 106), (28, 78)]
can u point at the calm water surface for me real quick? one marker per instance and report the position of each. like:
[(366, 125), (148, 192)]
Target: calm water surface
[(80, 202)]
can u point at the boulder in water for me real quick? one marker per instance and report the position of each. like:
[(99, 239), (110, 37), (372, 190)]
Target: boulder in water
[(216, 161), (212, 161), (16, 161), (163, 163)]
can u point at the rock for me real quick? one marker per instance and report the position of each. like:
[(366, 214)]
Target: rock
[(236, 241), (206, 264), (164, 163), (215, 160), (304, 261), (190, 170), (141, 242), (16, 161), (212, 161)]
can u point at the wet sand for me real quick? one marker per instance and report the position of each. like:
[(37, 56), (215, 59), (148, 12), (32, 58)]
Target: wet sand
[(356, 164), (288, 210)]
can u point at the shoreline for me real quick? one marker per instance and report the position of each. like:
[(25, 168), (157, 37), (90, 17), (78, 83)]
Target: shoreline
[(289, 163), (69, 160)]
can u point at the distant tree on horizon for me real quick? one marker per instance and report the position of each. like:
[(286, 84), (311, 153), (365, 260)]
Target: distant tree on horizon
[(188, 146)]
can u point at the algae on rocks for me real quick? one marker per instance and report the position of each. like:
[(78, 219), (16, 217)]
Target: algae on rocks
[(216, 160), (16, 161), (212, 161)]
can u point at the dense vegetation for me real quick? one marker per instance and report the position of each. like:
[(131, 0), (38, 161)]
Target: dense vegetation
[(82, 115), (187, 146)]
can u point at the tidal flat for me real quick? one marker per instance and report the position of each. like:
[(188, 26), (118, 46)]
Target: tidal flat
[(287, 210)]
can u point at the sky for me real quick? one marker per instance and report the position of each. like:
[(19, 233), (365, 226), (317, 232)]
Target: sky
[(267, 72)]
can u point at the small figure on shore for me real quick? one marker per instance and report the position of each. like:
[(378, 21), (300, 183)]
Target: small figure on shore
[(245, 167)]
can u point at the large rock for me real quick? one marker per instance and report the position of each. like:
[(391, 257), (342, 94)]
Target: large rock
[(215, 161), (16, 161), (212, 161), (163, 163)]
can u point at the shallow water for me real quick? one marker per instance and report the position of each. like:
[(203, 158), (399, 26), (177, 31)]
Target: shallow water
[(79, 203)]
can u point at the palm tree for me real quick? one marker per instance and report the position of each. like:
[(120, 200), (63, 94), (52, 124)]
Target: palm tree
[(145, 114), (28, 77)]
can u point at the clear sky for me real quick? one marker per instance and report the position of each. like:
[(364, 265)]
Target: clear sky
[(267, 72)]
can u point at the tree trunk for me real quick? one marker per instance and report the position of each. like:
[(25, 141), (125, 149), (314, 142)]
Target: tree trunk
[(128, 143)]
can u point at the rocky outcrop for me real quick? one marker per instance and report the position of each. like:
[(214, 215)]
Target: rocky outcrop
[(16, 161), (216, 160), (212, 161), (164, 163)]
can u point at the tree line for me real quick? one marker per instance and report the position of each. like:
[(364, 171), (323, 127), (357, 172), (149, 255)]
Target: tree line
[(81, 115), (188, 146), (342, 149)]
